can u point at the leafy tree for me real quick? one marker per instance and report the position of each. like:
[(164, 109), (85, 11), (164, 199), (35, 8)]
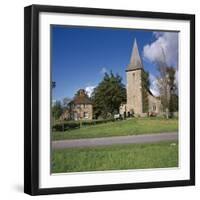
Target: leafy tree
[(53, 84), (108, 96), (65, 102), (57, 110), (145, 90)]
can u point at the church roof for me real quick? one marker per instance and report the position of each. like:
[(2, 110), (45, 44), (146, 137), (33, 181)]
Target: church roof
[(135, 61)]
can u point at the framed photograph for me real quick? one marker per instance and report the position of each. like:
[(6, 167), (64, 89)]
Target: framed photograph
[(109, 99)]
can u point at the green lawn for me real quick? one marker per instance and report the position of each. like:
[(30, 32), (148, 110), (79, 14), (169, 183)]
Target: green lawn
[(119, 128), (116, 157)]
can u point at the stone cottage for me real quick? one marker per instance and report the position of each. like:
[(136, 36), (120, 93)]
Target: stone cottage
[(80, 108)]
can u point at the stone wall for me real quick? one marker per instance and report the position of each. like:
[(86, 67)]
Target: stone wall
[(65, 115), (82, 111), (154, 104), (134, 93), (134, 96)]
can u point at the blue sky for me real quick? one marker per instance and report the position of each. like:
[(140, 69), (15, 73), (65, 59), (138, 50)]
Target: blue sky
[(81, 55)]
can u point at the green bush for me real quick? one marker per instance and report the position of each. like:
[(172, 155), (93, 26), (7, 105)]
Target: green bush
[(64, 126), (69, 125), (93, 122)]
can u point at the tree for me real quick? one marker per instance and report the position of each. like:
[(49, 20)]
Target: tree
[(173, 97), (145, 90), (108, 96), (166, 85), (65, 102), (57, 110), (53, 84), (163, 87), (167, 89)]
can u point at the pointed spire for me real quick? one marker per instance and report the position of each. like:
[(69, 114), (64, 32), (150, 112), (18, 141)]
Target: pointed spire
[(135, 62)]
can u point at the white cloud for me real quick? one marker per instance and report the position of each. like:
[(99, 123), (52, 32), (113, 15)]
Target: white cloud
[(153, 85), (103, 70), (157, 34), (89, 90), (163, 49)]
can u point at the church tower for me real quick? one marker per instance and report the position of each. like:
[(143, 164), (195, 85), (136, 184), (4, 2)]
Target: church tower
[(134, 82)]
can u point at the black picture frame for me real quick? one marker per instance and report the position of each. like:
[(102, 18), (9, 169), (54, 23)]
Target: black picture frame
[(31, 98)]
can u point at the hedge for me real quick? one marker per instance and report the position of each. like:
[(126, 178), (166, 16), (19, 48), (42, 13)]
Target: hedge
[(65, 126), (93, 122), (69, 125)]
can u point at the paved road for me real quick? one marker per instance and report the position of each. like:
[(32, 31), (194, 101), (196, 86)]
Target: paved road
[(133, 139)]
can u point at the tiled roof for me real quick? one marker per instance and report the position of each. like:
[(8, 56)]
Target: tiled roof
[(81, 98)]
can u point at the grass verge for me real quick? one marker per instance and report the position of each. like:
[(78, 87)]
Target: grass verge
[(116, 157), (133, 126)]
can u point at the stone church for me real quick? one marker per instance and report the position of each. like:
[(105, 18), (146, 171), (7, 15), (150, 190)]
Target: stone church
[(134, 104)]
